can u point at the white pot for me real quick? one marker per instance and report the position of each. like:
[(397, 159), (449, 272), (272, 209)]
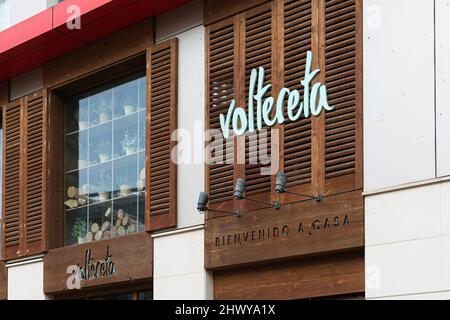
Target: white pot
[(81, 240), (130, 151), (104, 157), (125, 190), (83, 125), (82, 164), (128, 109), (103, 196), (104, 117)]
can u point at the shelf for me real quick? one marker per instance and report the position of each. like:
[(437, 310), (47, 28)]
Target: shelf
[(135, 195), (94, 165), (117, 119)]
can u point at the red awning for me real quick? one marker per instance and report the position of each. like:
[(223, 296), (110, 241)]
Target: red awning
[(45, 36)]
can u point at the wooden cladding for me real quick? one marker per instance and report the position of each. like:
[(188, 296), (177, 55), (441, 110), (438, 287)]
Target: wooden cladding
[(320, 155), (3, 281), (162, 77), (23, 176)]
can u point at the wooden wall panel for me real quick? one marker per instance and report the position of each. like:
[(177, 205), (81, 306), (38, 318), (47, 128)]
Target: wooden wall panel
[(296, 230), (215, 10), (3, 281), (324, 276), (132, 257), (4, 93), (100, 54)]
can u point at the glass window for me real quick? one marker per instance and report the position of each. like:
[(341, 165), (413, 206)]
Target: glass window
[(105, 161), (4, 15)]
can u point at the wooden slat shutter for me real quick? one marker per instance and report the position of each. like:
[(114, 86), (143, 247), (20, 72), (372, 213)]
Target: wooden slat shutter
[(297, 140), (342, 129), (162, 78), (11, 180), (321, 155), (23, 196), (221, 54)]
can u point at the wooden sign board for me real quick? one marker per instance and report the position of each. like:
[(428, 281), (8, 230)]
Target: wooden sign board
[(3, 281), (111, 262), (306, 228)]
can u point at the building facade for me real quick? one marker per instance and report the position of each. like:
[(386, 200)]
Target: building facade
[(313, 130)]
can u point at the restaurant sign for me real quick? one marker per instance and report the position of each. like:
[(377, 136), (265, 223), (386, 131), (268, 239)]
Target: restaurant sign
[(315, 100)]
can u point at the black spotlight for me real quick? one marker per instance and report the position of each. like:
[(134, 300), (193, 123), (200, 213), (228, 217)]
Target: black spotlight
[(202, 202), (239, 189), (280, 186)]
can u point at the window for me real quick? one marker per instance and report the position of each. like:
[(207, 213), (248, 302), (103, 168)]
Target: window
[(4, 15), (105, 143)]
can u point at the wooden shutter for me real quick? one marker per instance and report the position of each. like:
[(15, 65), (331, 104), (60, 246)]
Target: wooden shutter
[(342, 129), (321, 155), (12, 182), (23, 196), (221, 54), (162, 78)]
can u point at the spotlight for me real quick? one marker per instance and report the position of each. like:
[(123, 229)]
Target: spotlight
[(280, 186), (202, 202), (239, 189)]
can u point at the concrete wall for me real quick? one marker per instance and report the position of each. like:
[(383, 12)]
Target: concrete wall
[(407, 148), (26, 280), (178, 270)]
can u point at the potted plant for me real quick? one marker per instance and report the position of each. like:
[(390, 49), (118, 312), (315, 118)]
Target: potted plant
[(127, 103), (79, 230), (124, 187), (102, 106), (129, 143), (104, 149), (83, 124), (104, 184)]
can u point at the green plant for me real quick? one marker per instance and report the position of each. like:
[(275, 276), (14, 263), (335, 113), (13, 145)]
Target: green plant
[(129, 141), (79, 228)]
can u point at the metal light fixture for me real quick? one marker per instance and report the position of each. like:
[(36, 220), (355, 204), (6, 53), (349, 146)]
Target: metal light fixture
[(203, 199), (280, 187), (202, 203), (239, 189)]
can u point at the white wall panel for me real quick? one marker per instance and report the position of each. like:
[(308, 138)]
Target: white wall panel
[(178, 269), (26, 281), (403, 215), (443, 86), (399, 118), (21, 10), (412, 267)]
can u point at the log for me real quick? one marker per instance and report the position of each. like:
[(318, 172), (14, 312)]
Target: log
[(89, 236), (108, 212), (131, 229), (118, 223), (72, 192), (125, 221), (120, 214), (106, 226), (107, 235), (72, 204), (99, 235), (95, 227), (113, 232), (121, 231), (82, 201)]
